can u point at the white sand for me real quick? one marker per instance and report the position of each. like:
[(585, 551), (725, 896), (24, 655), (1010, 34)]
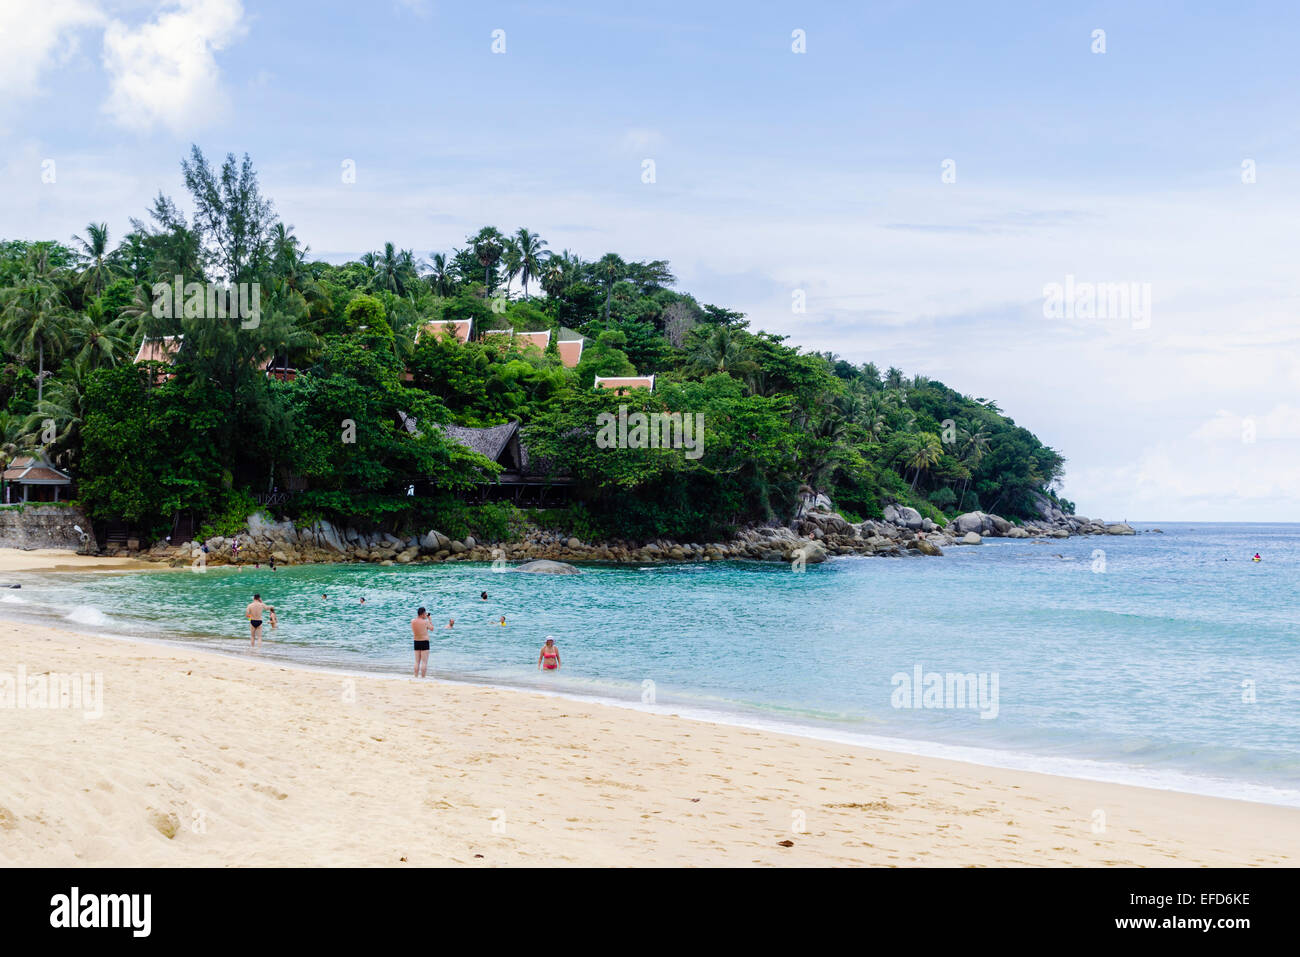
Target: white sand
[(201, 759)]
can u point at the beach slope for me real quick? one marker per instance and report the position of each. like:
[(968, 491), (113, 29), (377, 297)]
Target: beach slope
[(202, 759)]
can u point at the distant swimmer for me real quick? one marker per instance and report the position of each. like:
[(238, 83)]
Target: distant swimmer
[(420, 632), (483, 596), (324, 597), (550, 656), (274, 624), (503, 621), (363, 601), (451, 622), (1257, 558), (256, 608)]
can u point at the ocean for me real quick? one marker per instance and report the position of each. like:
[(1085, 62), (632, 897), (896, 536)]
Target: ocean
[(1169, 660)]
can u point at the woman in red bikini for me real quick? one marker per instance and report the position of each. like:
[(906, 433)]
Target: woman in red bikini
[(550, 656)]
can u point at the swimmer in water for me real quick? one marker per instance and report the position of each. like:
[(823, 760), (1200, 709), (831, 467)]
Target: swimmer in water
[(483, 596), (420, 634), (549, 658), (1257, 558), (503, 621), (451, 622), (363, 601), (274, 624), (254, 613)]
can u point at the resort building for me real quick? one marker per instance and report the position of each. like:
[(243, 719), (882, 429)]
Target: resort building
[(460, 329), (161, 349), (623, 384), (31, 478), (570, 352), (519, 482), (540, 340)]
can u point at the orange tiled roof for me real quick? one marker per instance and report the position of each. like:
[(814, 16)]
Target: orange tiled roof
[(570, 352), (625, 382), (463, 329)]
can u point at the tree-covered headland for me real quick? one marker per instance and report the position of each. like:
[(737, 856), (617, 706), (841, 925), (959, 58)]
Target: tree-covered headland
[(204, 429)]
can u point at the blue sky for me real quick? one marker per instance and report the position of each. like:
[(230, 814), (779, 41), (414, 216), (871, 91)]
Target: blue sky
[(774, 172)]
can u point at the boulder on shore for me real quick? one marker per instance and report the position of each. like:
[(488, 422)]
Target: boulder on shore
[(903, 515), (543, 566), (1120, 528), (971, 538)]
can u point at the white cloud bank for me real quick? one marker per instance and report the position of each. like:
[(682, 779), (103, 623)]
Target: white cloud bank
[(164, 73), (35, 36)]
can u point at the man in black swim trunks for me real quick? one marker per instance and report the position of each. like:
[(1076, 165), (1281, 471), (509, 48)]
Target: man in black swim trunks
[(256, 608), (420, 630)]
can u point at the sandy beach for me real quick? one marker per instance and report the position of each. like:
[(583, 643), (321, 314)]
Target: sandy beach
[(203, 759)]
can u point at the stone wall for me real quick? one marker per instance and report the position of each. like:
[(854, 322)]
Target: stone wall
[(41, 526)]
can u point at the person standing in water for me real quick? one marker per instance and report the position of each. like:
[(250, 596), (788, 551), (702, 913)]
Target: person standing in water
[(420, 632), (254, 612), (549, 657)]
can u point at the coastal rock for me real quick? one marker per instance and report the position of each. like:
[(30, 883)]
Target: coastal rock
[(1000, 525), (1015, 532), (573, 543), (545, 567), (971, 538), (811, 552), (1120, 528), (810, 501), (976, 522), (903, 515), (926, 547), (459, 547)]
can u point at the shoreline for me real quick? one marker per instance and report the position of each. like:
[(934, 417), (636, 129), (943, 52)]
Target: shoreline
[(283, 769), (1193, 782)]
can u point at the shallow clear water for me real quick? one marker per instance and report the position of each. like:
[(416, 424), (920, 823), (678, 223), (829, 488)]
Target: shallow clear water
[(1134, 672)]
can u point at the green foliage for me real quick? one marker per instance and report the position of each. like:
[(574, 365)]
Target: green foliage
[(358, 425)]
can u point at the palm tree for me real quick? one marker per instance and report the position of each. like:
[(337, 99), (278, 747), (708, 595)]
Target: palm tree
[(609, 271), (440, 279), (894, 378), (12, 438), (99, 270), (973, 447), (925, 455), (393, 269), (511, 262), (34, 312), (64, 405), (95, 340), (722, 351), (487, 249), (529, 246)]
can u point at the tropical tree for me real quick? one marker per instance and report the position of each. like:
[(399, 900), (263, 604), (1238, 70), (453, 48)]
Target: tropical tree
[(95, 340), (94, 248), (609, 270), (528, 247), (721, 351), (440, 275), (925, 455), (34, 313)]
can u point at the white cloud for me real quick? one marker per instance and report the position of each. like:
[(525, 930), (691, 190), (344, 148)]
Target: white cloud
[(164, 72), (34, 36)]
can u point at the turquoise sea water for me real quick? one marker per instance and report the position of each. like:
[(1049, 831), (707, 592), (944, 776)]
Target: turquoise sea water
[(1137, 672)]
